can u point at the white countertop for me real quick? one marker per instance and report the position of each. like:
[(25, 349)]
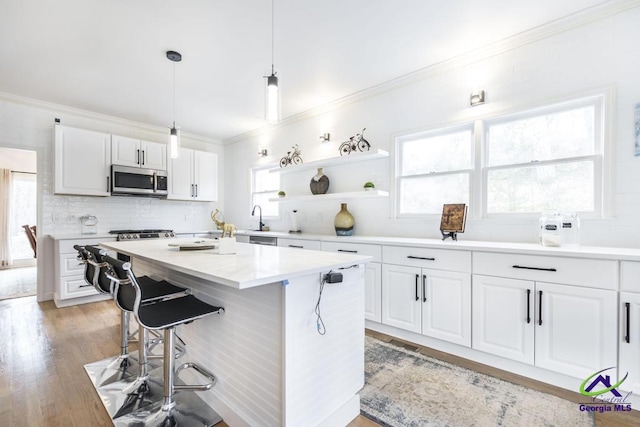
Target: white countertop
[(600, 252), (252, 265)]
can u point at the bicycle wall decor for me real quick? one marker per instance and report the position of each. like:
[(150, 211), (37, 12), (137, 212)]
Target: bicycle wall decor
[(356, 142), (292, 157)]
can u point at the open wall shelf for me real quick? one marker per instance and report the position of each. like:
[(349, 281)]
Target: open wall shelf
[(333, 196), (333, 161)]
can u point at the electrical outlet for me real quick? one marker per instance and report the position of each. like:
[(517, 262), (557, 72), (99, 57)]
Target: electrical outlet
[(55, 216)]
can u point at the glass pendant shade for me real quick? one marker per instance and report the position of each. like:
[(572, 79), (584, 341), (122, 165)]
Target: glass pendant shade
[(174, 142), (272, 100)]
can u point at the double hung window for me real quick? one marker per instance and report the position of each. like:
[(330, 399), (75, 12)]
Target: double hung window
[(265, 186)]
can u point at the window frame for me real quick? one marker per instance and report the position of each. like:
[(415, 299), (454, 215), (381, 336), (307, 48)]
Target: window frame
[(253, 172), (398, 177)]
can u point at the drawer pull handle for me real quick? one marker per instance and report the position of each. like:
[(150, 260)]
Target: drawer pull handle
[(424, 288), (528, 305), (540, 309), (524, 267), (627, 337), (417, 278), (296, 246), (346, 250), (85, 286), (420, 257)]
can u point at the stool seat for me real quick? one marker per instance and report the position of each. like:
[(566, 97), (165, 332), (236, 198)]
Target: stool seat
[(166, 314)]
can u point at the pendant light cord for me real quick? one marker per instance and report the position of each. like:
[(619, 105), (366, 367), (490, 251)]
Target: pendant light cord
[(174, 94), (273, 19)]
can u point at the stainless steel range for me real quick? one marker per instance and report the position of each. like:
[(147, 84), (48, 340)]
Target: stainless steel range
[(124, 235), (133, 235)]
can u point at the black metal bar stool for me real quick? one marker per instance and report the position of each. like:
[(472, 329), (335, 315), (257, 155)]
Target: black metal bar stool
[(127, 389), (176, 409)]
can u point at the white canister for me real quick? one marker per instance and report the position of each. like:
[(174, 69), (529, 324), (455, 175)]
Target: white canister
[(550, 233), (570, 229)]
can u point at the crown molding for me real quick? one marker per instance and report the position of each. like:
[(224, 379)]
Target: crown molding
[(59, 109), (550, 29)]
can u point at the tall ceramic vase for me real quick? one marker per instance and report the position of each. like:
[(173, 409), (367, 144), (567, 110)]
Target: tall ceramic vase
[(344, 222), (319, 183)]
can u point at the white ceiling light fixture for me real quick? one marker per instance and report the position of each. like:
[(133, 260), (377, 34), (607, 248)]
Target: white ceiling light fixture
[(174, 135), (272, 107)]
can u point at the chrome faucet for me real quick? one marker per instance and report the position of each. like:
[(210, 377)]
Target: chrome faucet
[(253, 213)]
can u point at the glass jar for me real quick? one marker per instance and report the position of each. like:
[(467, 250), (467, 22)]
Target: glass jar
[(570, 229), (550, 233)]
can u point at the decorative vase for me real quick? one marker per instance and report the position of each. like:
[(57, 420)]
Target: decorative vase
[(319, 183), (344, 222)]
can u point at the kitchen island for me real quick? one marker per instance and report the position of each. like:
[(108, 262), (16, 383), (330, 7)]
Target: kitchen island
[(273, 365)]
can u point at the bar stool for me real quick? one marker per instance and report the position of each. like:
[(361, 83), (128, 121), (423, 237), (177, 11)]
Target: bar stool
[(175, 409), (122, 385)]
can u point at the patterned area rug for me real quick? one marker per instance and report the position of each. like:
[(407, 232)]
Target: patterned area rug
[(406, 388)]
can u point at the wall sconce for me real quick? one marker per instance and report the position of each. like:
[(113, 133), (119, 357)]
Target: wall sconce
[(477, 98), (325, 137), (262, 152)]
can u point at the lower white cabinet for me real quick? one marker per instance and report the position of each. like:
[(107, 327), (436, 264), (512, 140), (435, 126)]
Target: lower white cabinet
[(629, 358), (373, 292), (434, 303), (70, 286), (562, 328)]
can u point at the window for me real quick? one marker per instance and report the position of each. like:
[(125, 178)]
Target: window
[(23, 212), (434, 168), (547, 159), (265, 186)]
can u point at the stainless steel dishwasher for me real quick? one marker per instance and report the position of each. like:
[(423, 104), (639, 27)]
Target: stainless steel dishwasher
[(263, 240)]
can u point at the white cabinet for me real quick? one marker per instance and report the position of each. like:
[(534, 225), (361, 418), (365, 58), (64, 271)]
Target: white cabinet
[(629, 344), (563, 328), (138, 153), (299, 243), (82, 162), (373, 279), (434, 303), (193, 175), (70, 286)]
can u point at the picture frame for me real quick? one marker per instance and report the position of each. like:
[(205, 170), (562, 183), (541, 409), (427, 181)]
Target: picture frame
[(454, 217)]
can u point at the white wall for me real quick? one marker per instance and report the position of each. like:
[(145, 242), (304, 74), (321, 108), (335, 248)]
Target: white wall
[(28, 124), (18, 160), (530, 70)]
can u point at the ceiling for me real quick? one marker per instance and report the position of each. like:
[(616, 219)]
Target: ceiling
[(109, 56)]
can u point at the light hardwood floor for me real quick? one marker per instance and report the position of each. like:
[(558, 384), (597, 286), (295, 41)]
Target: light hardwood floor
[(44, 349)]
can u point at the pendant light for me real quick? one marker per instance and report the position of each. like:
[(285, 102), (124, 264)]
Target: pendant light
[(174, 134), (272, 107)]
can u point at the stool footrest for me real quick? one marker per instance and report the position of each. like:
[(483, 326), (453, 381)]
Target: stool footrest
[(199, 369)]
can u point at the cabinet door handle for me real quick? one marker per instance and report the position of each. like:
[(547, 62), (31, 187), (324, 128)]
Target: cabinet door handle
[(196, 186), (142, 157), (627, 337), (417, 278), (296, 246), (191, 190), (420, 257), (528, 305), (540, 308), (424, 288), (347, 250), (138, 156), (524, 267), (108, 186)]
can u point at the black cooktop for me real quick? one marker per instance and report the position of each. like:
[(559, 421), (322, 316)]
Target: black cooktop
[(143, 231)]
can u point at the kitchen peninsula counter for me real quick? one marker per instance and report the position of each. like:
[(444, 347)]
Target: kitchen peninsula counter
[(274, 366)]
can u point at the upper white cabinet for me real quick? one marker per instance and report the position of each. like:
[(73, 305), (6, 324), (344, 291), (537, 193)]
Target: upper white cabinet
[(193, 175), (82, 162), (138, 153)]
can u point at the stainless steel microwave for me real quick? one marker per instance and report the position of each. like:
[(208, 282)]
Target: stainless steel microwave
[(127, 181)]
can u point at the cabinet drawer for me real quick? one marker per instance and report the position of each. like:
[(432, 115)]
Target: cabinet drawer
[(66, 246), (69, 265), (592, 273), (374, 251), (299, 243), (439, 259), (630, 276), (75, 286)]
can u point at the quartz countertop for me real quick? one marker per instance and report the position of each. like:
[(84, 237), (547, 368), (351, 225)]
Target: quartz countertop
[(251, 265)]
